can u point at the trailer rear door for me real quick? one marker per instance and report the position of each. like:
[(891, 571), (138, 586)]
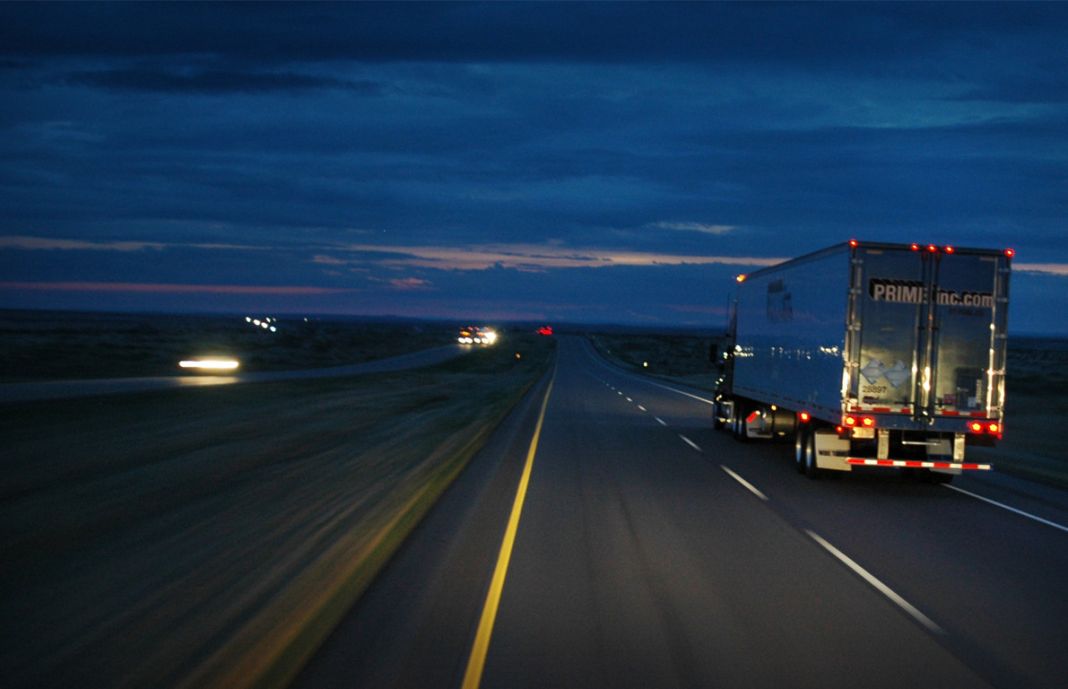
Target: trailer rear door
[(929, 332)]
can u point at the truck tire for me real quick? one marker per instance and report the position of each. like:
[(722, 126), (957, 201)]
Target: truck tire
[(738, 426), (811, 469), (800, 440)]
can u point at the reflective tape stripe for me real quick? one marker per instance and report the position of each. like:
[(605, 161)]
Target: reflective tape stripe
[(915, 464)]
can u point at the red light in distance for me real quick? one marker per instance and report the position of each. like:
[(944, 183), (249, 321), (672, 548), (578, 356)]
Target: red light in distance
[(949, 249), (932, 248), (993, 428), (915, 246), (1010, 252), (853, 243)]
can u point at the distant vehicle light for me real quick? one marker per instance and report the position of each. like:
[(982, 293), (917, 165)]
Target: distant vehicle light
[(546, 330), (740, 278), (210, 364), (1010, 252)]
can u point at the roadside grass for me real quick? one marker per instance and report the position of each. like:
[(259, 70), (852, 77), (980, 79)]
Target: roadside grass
[(680, 358), (44, 345), (1036, 375), (214, 537)]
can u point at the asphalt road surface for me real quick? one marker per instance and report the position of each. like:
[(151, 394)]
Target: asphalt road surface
[(58, 389), (652, 551)]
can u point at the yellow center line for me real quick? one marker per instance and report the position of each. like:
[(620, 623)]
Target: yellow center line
[(477, 662)]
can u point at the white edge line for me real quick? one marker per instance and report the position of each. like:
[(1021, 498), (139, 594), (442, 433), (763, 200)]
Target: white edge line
[(752, 489), (1047, 522), (689, 442), (660, 421), (879, 586)]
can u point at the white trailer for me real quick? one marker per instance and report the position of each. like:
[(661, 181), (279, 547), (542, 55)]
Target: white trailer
[(870, 354)]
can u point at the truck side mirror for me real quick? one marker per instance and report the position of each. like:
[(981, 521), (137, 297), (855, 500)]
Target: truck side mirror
[(713, 355)]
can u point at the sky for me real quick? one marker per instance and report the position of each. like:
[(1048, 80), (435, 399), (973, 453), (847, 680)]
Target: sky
[(549, 162)]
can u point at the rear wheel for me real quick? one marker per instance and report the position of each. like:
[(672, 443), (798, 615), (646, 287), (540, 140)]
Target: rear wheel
[(738, 424), (811, 470)]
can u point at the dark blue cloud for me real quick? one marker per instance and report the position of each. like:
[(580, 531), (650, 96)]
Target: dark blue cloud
[(300, 128), (212, 81)]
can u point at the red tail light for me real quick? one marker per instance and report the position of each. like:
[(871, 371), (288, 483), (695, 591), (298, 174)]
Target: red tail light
[(850, 421), (868, 422), (975, 427), (993, 428)]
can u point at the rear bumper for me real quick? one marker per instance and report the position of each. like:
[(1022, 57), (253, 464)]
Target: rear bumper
[(918, 464)]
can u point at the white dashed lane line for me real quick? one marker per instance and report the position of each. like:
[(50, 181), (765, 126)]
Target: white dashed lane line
[(642, 408), (660, 421), (689, 442), (752, 489), (878, 585)]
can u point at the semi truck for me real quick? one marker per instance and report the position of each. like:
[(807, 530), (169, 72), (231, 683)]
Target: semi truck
[(869, 354)]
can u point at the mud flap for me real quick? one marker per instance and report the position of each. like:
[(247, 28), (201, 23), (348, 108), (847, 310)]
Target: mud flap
[(832, 451)]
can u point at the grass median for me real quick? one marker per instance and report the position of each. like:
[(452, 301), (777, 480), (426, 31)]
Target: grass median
[(213, 537)]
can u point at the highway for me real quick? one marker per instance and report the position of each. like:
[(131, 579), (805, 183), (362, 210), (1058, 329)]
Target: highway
[(648, 550)]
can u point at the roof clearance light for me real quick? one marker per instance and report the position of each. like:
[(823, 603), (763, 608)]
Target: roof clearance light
[(1010, 252), (932, 248), (915, 246), (804, 416), (740, 278), (853, 243), (949, 249)]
